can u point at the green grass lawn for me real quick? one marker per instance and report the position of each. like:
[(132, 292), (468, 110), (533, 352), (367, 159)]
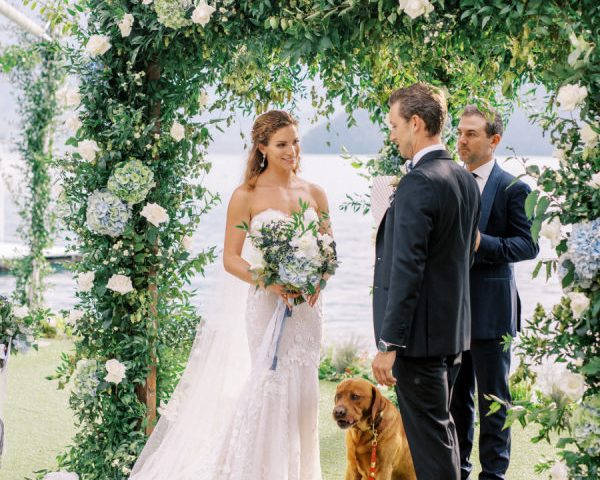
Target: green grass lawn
[(39, 424)]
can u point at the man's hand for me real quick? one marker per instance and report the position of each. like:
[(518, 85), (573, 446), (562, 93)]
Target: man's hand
[(477, 240), (382, 368)]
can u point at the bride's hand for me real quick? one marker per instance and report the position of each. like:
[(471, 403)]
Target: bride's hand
[(312, 299), (287, 297)]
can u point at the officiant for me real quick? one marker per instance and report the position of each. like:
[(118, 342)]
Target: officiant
[(505, 238)]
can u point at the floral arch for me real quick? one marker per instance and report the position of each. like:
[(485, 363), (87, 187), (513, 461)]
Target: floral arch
[(133, 193)]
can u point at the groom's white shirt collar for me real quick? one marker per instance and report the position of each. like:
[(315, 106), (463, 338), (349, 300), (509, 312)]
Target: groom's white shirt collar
[(424, 151)]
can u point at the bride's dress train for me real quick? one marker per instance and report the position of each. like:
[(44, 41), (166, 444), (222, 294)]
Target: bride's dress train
[(224, 423)]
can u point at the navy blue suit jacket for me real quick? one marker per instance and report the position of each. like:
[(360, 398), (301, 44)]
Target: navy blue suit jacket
[(505, 239)]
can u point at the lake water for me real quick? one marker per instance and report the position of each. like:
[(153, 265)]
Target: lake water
[(347, 301)]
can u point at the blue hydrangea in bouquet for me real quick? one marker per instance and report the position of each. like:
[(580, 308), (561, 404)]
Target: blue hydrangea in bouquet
[(292, 252)]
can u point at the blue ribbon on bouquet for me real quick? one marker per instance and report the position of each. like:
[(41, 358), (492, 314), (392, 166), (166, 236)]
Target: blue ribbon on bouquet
[(287, 313)]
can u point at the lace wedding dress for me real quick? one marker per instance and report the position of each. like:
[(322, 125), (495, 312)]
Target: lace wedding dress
[(232, 417)]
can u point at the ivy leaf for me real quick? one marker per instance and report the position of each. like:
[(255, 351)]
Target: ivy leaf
[(530, 202)]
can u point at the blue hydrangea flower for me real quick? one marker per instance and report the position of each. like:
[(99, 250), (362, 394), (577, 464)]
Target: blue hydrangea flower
[(107, 214), (584, 251), (586, 425)]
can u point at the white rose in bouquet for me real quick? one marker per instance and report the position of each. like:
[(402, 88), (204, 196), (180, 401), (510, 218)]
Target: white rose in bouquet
[(62, 475), (202, 13), (310, 215), (594, 182), (88, 149), (74, 317), (254, 257), (85, 281), (307, 246), (115, 371), (155, 214), (325, 238), (177, 131), (120, 284), (551, 230), (588, 135), (416, 8), (126, 24), (21, 312), (570, 96), (579, 303), (97, 45)]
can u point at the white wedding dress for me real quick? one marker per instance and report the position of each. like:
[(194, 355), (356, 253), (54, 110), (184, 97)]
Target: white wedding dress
[(231, 417)]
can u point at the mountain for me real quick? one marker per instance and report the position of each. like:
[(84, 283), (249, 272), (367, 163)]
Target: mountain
[(526, 139)]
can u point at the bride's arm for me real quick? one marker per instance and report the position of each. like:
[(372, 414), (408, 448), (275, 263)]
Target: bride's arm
[(238, 212)]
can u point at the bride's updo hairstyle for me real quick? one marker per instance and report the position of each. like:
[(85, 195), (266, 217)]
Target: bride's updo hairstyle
[(263, 129)]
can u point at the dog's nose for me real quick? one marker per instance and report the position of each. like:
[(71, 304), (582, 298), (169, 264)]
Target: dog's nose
[(339, 412)]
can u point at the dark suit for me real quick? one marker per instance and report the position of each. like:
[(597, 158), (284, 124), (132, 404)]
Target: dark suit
[(424, 250), (495, 311)]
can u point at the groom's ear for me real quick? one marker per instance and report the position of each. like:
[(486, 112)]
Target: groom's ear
[(378, 404)]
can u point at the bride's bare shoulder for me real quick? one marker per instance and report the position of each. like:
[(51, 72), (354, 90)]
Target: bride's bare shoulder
[(241, 197), (318, 193)]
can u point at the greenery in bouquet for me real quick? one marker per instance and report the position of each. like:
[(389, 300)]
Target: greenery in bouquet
[(292, 252)]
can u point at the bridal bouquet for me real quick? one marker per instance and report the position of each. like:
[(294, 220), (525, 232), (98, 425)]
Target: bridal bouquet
[(292, 252)]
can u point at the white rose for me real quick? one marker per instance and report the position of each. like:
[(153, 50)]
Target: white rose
[(569, 96), (203, 99), (88, 149), (147, 2), (125, 25), (120, 284), (202, 13), (187, 242), (74, 317), (73, 123), (594, 182), (416, 8), (254, 257), (68, 97), (559, 471), (588, 135), (115, 371), (97, 45), (21, 312), (572, 385), (62, 475), (325, 238), (177, 131), (579, 303), (307, 245), (85, 281), (155, 214), (551, 230), (310, 215)]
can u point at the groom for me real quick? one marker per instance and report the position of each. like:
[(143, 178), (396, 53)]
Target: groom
[(421, 310)]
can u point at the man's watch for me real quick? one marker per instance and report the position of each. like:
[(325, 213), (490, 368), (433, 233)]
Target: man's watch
[(384, 346)]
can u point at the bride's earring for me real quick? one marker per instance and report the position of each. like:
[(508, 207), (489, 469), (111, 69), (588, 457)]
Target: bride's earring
[(264, 159)]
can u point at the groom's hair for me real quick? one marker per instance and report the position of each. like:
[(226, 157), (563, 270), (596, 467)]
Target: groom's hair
[(423, 100), (493, 120)]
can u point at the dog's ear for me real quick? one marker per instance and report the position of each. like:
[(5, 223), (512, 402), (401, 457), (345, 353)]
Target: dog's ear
[(377, 403)]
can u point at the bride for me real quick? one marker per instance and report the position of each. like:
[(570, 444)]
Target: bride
[(231, 416)]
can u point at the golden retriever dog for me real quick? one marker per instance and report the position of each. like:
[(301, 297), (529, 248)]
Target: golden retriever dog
[(360, 406)]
